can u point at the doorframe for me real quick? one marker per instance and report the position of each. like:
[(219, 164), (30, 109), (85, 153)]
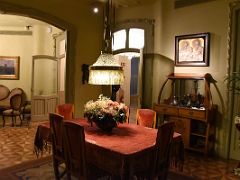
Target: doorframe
[(234, 8), (15, 9), (146, 52), (43, 104)]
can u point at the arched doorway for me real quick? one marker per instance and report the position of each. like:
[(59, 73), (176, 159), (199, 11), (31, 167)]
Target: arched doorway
[(13, 9)]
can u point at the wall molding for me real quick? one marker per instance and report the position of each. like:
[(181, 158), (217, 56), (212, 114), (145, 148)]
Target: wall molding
[(21, 33), (184, 3)]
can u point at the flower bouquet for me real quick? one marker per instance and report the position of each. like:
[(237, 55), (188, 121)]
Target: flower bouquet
[(105, 113)]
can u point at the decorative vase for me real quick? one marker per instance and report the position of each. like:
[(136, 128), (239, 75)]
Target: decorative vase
[(105, 124)]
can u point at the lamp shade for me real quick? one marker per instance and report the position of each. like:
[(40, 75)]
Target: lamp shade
[(106, 71)]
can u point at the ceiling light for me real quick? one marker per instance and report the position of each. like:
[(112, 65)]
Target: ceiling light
[(95, 10)]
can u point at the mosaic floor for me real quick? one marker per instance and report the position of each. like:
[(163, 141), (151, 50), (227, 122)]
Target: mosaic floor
[(16, 143), (16, 146)]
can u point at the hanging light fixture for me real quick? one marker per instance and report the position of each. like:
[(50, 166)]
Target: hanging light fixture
[(106, 70)]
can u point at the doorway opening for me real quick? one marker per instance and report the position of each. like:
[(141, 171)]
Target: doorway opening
[(131, 89), (37, 43)]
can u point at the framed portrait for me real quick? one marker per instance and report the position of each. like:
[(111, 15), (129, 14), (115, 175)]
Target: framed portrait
[(192, 50), (9, 67)]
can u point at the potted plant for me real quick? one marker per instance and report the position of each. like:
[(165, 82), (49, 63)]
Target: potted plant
[(234, 86)]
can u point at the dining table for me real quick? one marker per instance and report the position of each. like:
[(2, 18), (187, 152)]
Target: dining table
[(123, 152)]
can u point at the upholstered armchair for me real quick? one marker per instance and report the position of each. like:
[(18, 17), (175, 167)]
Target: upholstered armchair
[(15, 109)]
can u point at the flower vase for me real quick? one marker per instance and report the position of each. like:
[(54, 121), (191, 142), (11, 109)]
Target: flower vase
[(105, 124)]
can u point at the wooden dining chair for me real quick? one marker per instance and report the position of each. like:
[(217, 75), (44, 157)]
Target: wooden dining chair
[(127, 115), (56, 130), (146, 117), (77, 166), (163, 147), (75, 153), (66, 110), (15, 109), (159, 168)]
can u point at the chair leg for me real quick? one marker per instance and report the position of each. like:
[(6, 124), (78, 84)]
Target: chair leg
[(55, 167), (13, 119), (20, 120), (3, 117)]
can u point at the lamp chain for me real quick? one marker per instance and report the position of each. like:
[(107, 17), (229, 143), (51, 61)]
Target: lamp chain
[(107, 45)]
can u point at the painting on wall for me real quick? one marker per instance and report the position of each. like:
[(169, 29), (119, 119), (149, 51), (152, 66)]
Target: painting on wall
[(9, 67), (192, 50)]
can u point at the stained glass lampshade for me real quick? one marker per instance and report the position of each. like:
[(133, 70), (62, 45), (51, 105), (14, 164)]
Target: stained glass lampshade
[(106, 71)]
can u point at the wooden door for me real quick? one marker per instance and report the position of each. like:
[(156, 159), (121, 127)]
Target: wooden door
[(44, 86), (60, 40)]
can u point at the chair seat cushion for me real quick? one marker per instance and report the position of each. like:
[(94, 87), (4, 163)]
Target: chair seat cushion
[(10, 112)]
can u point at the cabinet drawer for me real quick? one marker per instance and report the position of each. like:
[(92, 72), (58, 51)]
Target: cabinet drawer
[(191, 113), (167, 110)]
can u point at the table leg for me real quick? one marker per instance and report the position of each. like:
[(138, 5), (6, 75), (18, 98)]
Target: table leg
[(125, 173)]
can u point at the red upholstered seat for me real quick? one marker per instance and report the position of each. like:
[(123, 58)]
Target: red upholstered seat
[(66, 110), (146, 117)]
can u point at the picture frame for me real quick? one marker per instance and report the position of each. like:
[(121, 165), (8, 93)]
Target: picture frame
[(9, 67), (192, 50)]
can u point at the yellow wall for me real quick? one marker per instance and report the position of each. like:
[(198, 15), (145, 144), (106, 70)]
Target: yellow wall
[(39, 43), (18, 45), (88, 39), (204, 17)]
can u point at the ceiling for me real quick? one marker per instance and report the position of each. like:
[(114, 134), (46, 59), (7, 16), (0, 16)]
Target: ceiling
[(21, 21), (131, 3), (12, 20), (128, 3)]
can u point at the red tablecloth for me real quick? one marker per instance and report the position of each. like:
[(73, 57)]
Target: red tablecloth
[(123, 152)]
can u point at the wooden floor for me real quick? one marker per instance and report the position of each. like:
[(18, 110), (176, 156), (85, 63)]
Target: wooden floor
[(16, 146)]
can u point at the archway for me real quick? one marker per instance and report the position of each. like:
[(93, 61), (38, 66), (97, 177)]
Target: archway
[(13, 9)]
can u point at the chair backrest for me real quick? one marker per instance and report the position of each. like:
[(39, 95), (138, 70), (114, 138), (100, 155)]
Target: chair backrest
[(4, 92), (127, 115), (163, 146), (146, 117), (75, 149), (16, 102), (15, 91), (56, 128), (66, 110)]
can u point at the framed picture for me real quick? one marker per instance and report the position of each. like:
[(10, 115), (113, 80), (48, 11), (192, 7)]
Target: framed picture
[(9, 67), (192, 50)]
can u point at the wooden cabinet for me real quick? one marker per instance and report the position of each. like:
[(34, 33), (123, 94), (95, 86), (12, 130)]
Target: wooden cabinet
[(189, 104)]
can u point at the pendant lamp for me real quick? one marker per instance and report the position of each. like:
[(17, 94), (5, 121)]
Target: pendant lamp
[(106, 70)]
